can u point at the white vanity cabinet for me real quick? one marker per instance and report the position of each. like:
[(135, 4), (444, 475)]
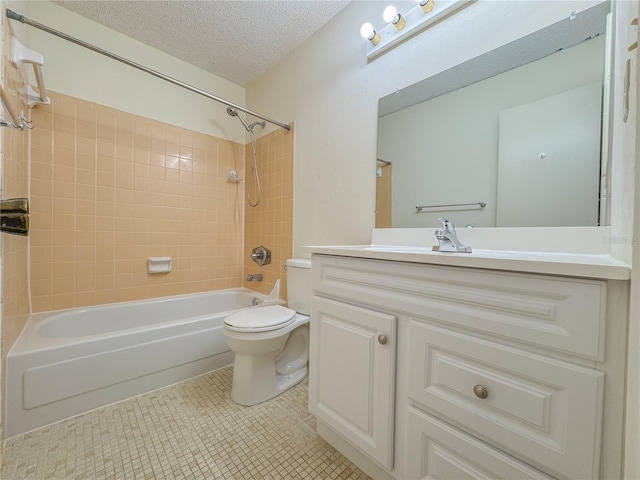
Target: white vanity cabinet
[(498, 374)]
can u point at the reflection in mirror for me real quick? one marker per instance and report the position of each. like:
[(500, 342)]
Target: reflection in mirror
[(517, 130)]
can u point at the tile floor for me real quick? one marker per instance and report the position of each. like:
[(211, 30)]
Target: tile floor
[(192, 430)]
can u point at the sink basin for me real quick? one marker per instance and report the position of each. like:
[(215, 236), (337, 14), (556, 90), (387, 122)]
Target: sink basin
[(398, 249)]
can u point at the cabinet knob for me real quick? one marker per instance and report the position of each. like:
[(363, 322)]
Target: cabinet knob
[(480, 391), (382, 340)]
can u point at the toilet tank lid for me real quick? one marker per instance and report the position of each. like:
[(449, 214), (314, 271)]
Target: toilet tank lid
[(299, 262)]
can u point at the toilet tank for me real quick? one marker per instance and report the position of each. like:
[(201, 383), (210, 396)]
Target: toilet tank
[(299, 284)]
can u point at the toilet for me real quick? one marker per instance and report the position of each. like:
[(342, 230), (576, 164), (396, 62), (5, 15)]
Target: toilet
[(271, 344)]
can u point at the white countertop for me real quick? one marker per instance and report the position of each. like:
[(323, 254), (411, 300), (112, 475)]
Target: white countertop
[(599, 266)]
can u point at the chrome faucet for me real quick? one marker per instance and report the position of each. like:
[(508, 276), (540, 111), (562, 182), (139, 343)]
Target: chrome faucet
[(448, 240), (254, 277)]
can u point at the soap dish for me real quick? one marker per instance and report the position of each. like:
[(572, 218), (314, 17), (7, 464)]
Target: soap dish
[(159, 264)]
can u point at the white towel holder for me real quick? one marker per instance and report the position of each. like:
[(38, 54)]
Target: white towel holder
[(21, 55)]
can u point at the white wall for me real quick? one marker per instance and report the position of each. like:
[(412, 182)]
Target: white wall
[(76, 71), (445, 150), (331, 91)]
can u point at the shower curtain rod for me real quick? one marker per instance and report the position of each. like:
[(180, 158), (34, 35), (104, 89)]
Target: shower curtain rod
[(21, 18)]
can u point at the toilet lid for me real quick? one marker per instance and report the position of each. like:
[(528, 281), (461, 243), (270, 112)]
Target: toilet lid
[(261, 319)]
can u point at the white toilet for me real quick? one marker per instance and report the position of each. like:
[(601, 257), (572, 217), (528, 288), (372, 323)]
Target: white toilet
[(271, 344)]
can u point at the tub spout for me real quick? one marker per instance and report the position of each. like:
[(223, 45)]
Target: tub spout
[(254, 277)]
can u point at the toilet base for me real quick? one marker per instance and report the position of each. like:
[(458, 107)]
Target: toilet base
[(285, 382), (268, 363), (255, 379)]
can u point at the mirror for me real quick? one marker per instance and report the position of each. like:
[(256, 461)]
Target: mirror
[(510, 138)]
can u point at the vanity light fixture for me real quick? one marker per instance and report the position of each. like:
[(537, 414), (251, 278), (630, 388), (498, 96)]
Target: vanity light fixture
[(392, 16), (400, 27), (368, 33)]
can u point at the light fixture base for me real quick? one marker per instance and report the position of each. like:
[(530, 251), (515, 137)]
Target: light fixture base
[(416, 21)]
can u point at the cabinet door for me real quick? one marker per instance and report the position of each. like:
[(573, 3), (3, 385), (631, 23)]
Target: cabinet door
[(351, 380)]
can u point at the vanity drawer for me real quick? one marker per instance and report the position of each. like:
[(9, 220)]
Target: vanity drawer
[(535, 407), (439, 451), (559, 313)]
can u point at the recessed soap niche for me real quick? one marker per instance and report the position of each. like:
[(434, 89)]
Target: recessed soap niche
[(159, 264)]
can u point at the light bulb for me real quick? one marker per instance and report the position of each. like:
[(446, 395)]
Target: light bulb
[(366, 30), (389, 13)]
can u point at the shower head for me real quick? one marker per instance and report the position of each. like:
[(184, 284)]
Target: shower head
[(234, 113), (254, 124)]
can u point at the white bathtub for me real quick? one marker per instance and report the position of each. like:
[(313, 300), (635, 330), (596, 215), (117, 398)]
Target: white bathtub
[(72, 361)]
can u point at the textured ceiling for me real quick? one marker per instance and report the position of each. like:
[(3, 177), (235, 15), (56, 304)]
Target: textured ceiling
[(237, 40)]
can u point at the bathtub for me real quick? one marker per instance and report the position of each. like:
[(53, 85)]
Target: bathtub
[(68, 362)]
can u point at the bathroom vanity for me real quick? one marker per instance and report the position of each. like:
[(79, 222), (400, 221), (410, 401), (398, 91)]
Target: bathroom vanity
[(481, 365)]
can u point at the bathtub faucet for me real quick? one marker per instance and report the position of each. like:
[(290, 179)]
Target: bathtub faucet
[(254, 277)]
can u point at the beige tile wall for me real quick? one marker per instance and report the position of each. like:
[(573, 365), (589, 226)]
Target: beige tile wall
[(15, 183), (270, 224), (109, 189)]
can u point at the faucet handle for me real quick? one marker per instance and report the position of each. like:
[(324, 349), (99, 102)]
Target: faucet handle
[(447, 226), (261, 255)]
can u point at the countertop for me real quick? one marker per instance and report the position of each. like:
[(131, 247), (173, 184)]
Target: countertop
[(575, 265)]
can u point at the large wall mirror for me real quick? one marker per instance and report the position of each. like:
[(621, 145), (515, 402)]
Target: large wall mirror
[(513, 138)]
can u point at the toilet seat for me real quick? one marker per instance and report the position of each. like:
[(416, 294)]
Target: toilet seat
[(261, 319)]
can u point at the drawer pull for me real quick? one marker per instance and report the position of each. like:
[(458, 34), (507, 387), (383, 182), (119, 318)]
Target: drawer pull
[(480, 391), (382, 340)]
